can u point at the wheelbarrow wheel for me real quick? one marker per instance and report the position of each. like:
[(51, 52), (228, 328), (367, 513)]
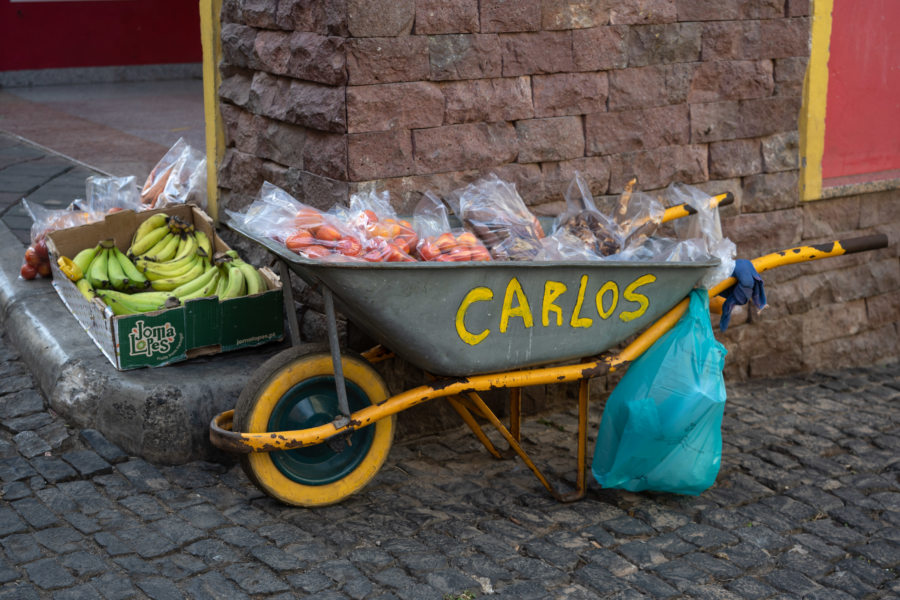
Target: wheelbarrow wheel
[(295, 390)]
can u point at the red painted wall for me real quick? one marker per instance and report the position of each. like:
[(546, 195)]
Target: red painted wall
[(862, 123), (42, 35)]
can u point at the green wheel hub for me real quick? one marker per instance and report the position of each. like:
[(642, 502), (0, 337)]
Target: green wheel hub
[(311, 403)]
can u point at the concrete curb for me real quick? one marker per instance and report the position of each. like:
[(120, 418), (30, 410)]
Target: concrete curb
[(161, 415)]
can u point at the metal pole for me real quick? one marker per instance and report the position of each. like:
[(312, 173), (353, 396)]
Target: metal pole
[(334, 343)]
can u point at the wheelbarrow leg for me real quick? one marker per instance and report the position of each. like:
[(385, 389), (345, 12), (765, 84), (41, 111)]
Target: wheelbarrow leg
[(335, 346), (288, 295), (515, 413), (467, 417)]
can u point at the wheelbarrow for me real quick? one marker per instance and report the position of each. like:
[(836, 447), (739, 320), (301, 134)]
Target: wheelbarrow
[(314, 424)]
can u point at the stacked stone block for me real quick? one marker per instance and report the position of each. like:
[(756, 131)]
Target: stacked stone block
[(326, 97)]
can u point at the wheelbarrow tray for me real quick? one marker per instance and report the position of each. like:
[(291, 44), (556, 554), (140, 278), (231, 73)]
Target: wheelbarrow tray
[(461, 319)]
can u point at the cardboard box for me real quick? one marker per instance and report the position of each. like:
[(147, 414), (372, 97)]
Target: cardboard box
[(202, 326)]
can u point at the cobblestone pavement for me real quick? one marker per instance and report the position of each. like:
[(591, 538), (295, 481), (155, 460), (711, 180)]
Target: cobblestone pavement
[(807, 505)]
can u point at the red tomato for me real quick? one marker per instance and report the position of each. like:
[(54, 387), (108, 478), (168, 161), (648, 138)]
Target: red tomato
[(28, 271), (308, 218), (32, 258), (40, 247), (316, 251), (328, 233), (467, 239), (371, 217), (43, 269), (480, 253), (460, 254), (300, 240), (445, 242), (349, 247)]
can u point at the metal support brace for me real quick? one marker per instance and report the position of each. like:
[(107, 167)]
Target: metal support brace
[(334, 343)]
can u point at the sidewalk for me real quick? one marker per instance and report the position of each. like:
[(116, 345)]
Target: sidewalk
[(72, 373)]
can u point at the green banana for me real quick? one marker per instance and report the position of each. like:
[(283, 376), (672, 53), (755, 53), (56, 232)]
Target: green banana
[(130, 304), (144, 240), (117, 278), (207, 290), (98, 273), (170, 283), (204, 243), (136, 279), (255, 282), (236, 285), (197, 283), (83, 259), (87, 290), (223, 280)]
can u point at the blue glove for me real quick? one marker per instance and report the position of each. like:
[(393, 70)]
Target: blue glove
[(749, 287)]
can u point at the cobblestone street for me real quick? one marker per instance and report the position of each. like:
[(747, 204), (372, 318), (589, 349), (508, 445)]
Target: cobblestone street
[(806, 505)]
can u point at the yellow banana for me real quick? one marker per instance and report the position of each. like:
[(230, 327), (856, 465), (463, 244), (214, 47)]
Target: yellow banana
[(87, 290), (187, 246), (135, 278), (166, 252), (148, 234), (204, 243), (156, 248), (223, 280), (170, 283), (172, 268)]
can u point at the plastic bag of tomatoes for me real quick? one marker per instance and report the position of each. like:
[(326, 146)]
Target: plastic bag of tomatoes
[(37, 258), (385, 236), (438, 241)]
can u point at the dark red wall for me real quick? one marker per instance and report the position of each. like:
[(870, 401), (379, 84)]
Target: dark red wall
[(862, 123), (41, 35)]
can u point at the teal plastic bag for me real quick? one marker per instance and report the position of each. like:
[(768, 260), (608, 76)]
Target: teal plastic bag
[(661, 428)]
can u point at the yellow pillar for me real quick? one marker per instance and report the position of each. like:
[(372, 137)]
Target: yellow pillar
[(211, 40), (815, 95)]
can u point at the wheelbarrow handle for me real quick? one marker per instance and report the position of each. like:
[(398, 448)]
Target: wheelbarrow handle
[(683, 210), (762, 263)]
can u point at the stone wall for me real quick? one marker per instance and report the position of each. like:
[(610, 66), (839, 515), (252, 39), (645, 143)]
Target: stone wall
[(324, 97)]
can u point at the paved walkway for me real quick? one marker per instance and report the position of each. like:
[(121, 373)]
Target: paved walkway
[(807, 505)]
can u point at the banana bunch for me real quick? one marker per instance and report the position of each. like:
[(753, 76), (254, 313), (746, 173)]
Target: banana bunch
[(104, 266), (170, 252), (168, 263)]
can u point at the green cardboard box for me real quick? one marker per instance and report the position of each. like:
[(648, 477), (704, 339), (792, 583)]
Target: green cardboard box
[(199, 327)]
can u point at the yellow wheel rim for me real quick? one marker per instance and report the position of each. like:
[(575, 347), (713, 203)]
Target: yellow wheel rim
[(267, 469)]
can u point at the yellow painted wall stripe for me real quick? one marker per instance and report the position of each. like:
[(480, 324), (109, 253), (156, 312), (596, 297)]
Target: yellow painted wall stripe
[(815, 94), (211, 42)]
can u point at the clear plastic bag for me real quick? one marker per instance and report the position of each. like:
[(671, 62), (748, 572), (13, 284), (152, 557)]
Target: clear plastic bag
[(45, 220), (637, 216), (178, 178), (493, 210), (109, 194), (661, 428), (303, 229), (385, 237), (440, 242), (704, 227), (582, 231)]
